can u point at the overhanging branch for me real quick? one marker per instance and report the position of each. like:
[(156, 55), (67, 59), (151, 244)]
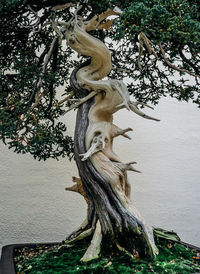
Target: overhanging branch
[(173, 66), (196, 69)]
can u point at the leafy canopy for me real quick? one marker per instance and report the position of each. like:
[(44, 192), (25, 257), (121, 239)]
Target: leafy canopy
[(154, 43)]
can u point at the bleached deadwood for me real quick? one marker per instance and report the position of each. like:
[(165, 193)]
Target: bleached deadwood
[(116, 131), (95, 22), (102, 173), (98, 144), (78, 187), (61, 7), (66, 98), (95, 246), (79, 230), (144, 40), (57, 30), (128, 166), (81, 101), (134, 107)]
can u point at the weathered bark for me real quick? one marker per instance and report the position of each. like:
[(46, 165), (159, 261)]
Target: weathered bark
[(118, 225), (111, 214)]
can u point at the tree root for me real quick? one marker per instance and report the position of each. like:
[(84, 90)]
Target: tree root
[(94, 249), (166, 234), (122, 249), (78, 231), (83, 235), (95, 246), (95, 236)]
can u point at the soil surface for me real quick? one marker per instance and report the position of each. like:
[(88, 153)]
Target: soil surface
[(172, 258)]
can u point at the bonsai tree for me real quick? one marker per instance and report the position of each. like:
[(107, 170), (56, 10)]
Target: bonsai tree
[(153, 43)]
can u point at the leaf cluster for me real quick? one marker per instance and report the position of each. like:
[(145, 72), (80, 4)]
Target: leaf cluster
[(30, 89), (174, 25)]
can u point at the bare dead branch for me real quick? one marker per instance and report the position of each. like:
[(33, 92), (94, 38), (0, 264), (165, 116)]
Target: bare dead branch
[(173, 66), (134, 107), (81, 101), (95, 22), (62, 7), (144, 40), (78, 187), (66, 98)]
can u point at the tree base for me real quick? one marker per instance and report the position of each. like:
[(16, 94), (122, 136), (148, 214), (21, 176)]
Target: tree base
[(99, 244), (174, 257)]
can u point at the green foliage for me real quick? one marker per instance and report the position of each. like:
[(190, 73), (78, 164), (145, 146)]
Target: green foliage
[(172, 258), (174, 24), (22, 57), (35, 127)]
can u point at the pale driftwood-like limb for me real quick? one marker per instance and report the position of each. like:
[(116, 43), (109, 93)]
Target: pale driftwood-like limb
[(134, 107), (127, 166), (118, 10), (85, 234), (173, 66), (144, 40), (104, 177), (124, 133), (95, 246), (65, 99), (48, 55), (55, 27), (78, 187), (81, 101), (116, 131), (98, 144), (61, 7), (74, 100), (106, 25), (94, 23), (122, 89)]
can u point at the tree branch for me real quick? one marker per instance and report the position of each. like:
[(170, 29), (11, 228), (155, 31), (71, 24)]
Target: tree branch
[(81, 101), (188, 61), (144, 40), (95, 22), (173, 66), (62, 7), (47, 57)]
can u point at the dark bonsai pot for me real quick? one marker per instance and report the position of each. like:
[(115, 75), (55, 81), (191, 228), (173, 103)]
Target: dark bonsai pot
[(7, 265)]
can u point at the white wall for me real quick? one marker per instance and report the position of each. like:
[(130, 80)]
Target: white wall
[(34, 207)]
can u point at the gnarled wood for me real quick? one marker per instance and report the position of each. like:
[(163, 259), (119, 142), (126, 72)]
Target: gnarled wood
[(103, 175)]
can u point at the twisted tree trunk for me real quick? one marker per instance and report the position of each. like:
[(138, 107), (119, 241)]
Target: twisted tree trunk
[(111, 218)]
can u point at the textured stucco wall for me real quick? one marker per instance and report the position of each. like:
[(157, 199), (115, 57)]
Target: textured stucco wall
[(35, 207)]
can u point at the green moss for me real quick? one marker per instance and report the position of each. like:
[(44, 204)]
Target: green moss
[(172, 258)]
